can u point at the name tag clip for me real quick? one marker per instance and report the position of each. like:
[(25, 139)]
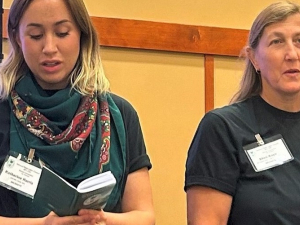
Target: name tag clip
[(259, 140), (30, 155)]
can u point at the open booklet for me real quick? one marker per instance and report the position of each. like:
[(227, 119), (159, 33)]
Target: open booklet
[(65, 199)]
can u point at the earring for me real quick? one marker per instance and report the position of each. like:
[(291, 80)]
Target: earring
[(257, 71)]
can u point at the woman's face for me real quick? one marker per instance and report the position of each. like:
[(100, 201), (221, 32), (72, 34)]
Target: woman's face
[(278, 58), (50, 42)]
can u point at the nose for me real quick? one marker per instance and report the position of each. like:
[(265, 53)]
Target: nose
[(292, 52), (50, 45)]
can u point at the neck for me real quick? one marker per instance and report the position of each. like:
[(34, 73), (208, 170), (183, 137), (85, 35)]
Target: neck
[(289, 103)]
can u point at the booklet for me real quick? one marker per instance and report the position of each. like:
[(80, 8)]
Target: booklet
[(65, 199)]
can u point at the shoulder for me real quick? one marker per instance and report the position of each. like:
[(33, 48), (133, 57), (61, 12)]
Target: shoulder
[(4, 111), (234, 111), (120, 101), (4, 129), (231, 117), (235, 108), (125, 107), (4, 105)]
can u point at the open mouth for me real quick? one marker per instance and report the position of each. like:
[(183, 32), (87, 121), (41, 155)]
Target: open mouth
[(51, 64)]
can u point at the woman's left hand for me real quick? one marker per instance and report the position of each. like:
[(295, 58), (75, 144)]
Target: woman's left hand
[(99, 215)]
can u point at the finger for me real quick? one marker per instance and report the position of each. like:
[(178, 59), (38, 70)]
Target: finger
[(100, 223), (91, 212), (72, 220), (86, 223), (94, 223), (85, 219), (98, 215), (52, 214)]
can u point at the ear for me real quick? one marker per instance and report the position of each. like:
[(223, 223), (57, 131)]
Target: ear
[(251, 55)]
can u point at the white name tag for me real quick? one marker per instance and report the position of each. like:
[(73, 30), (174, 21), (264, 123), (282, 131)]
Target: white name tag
[(269, 155), (20, 176)]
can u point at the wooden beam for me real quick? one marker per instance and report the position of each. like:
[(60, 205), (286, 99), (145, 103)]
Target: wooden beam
[(149, 35), (170, 37), (209, 82), (4, 23), (137, 34)]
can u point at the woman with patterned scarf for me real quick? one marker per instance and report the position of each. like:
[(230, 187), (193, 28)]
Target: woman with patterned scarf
[(55, 99)]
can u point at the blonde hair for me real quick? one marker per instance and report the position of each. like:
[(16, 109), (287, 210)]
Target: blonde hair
[(251, 84), (87, 76)]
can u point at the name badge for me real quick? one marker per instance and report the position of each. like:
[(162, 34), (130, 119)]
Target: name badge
[(20, 174), (268, 153)]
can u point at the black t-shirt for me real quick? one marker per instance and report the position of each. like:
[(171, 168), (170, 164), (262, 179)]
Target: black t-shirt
[(216, 159), (137, 157)]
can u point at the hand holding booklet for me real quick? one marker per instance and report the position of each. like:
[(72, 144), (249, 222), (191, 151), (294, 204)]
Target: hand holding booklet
[(28, 177), (65, 199)]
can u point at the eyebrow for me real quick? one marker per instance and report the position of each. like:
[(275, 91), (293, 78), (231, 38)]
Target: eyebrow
[(56, 24), (281, 34), (277, 34)]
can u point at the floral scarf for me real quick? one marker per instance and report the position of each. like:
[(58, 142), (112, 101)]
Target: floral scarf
[(70, 133)]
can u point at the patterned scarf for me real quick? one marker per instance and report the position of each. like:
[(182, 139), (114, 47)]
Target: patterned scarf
[(64, 129), (75, 134)]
